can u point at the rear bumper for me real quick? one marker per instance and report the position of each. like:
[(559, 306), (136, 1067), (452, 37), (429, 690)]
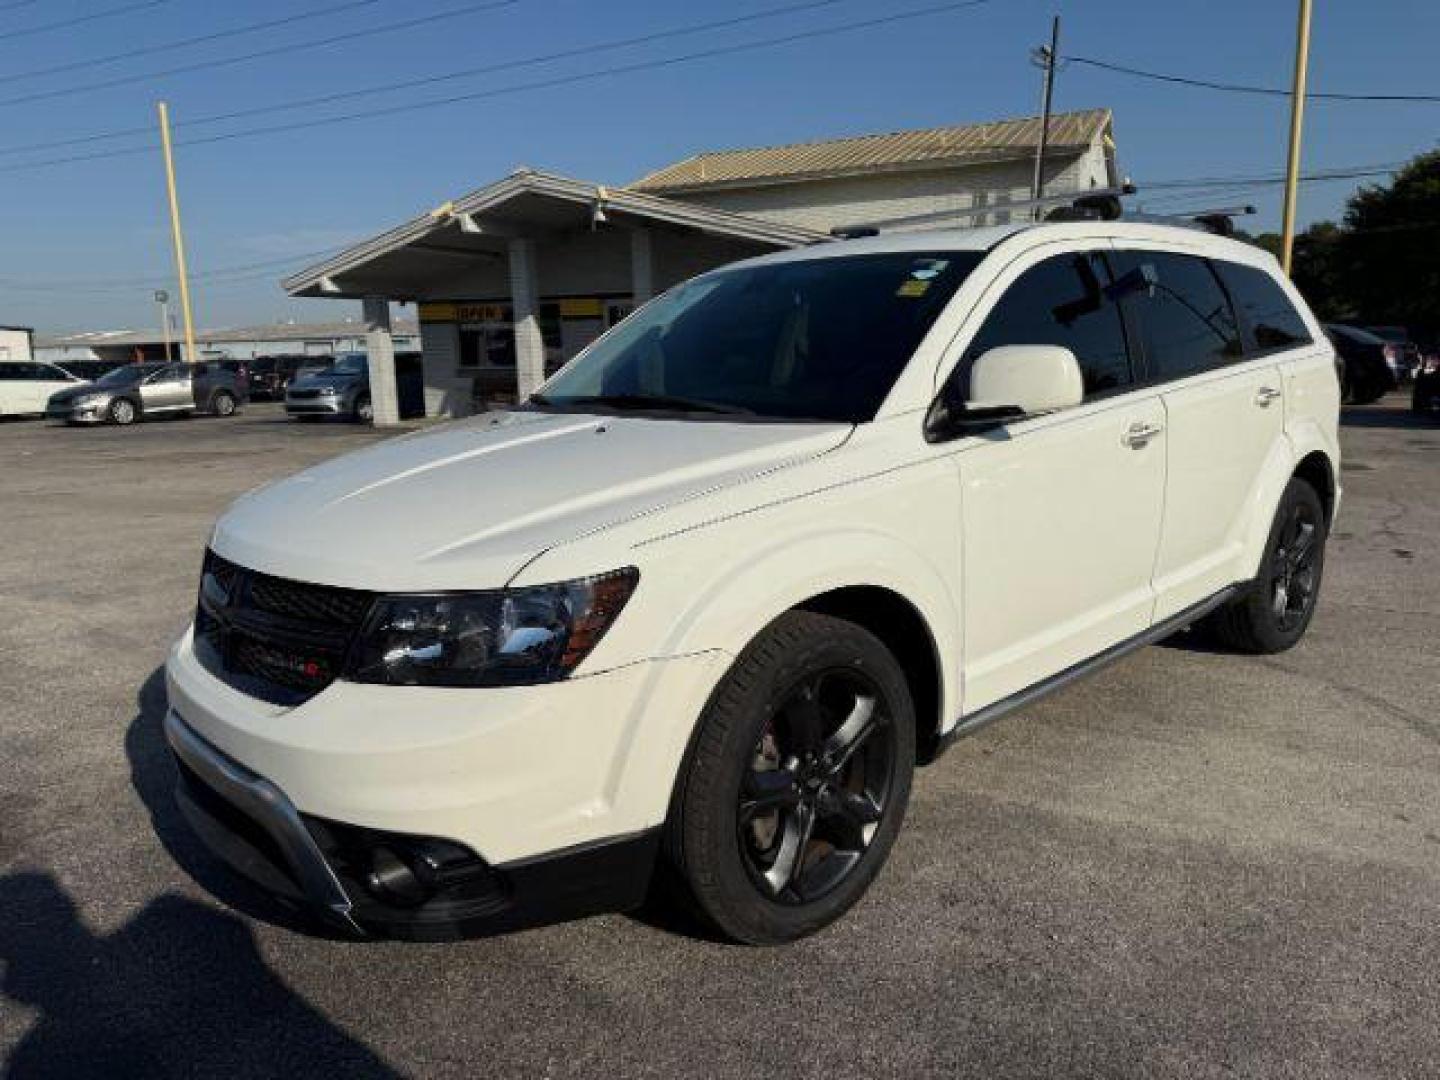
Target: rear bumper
[(327, 867)]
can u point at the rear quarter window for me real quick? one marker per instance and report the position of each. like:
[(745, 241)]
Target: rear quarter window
[(1269, 316)]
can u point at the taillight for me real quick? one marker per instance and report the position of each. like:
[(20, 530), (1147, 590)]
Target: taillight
[(1432, 364), (1392, 354)]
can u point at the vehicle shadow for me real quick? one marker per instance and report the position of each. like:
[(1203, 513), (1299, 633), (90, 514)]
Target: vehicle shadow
[(179, 990), (1379, 416), (152, 775)]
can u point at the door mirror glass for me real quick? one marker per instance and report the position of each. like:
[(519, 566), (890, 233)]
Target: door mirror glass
[(1027, 379)]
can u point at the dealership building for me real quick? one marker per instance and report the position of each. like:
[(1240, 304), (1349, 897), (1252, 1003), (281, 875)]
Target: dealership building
[(513, 279), (233, 343)]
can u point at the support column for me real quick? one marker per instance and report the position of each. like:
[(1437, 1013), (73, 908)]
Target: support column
[(642, 266), (525, 302), (380, 348)]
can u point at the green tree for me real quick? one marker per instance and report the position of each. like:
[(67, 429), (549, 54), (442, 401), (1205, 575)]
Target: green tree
[(1387, 257)]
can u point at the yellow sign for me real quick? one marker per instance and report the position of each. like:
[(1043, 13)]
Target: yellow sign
[(482, 312), (581, 307), (437, 312)]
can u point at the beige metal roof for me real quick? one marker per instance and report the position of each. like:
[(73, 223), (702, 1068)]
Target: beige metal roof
[(962, 144)]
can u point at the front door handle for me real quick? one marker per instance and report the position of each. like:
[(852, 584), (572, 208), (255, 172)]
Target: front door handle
[(1265, 395), (1140, 433)]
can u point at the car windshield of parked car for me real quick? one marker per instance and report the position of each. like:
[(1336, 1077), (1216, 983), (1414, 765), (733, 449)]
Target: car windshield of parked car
[(351, 364), (812, 339), (124, 376)]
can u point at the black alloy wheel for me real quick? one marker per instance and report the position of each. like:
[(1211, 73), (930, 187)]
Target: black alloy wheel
[(817, 786), (795, 783), (1293, 573), (1274, 610)]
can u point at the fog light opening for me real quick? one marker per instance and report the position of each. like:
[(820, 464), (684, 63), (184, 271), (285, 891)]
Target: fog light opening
[(395, 880)]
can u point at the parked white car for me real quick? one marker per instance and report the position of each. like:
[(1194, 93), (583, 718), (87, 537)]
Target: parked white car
[(25, 387), (705, 601)]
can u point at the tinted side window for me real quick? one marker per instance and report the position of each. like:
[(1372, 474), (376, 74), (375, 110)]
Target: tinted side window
[(1272, 320), (1061, 301), (1186, 320), (9, 371)]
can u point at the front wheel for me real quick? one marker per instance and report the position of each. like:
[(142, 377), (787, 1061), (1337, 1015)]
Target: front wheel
[(364, 412), (223, 403), (1275, 609), (797, 782), (122, 411)]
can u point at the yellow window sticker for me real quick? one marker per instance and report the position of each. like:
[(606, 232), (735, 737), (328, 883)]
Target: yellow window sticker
[(913, 287)]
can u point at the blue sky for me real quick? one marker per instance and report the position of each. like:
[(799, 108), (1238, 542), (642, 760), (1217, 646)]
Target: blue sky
[(85, 238)]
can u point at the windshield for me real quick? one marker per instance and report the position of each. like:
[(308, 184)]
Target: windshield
[(818, 339), (349, 364), (122, 376)]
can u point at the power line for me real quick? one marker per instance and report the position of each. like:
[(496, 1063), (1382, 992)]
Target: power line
[(262, 269), (464, 73), (1240, 88), (539, 84), (200, 39), (45, 28), (277, 50)]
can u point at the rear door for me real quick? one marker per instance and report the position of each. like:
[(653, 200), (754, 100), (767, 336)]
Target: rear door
[(1224, 415), (167, 390), (1061, 512)]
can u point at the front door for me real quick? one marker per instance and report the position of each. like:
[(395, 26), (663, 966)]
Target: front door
[(167, 390), (1061, 512)]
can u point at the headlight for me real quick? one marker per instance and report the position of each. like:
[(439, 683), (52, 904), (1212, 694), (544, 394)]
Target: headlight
[(89, 399), (502, 638)]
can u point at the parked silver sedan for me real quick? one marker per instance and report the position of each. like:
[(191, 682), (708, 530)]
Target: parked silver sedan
[(342, 389), (136, 391)]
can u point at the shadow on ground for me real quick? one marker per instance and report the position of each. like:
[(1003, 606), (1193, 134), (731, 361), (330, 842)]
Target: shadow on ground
[(179, 990), (1379, 416)]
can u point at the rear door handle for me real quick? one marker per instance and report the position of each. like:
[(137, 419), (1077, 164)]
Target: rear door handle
[(1265, 395), (1140, 433)]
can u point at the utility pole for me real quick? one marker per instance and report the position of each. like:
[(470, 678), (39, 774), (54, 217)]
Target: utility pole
[(1297, 123), (1046, 58), (181, 272), (163, 299)]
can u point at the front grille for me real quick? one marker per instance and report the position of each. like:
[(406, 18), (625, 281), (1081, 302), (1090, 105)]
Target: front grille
[(279, 640)]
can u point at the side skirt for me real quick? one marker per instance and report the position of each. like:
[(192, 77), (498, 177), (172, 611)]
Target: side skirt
[(1021, 699)]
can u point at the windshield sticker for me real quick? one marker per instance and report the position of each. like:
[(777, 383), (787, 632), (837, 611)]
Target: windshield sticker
[(925, 269), (913, 287)]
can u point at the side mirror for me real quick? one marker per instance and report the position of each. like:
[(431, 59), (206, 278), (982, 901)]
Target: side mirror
[(1028, 378)]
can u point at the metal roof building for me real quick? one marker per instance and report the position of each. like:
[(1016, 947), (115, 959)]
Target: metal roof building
[(239, 342), (515, 277)]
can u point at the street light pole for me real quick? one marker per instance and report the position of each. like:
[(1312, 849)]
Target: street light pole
[(1048, 60), (1297, 123), (163, 299)]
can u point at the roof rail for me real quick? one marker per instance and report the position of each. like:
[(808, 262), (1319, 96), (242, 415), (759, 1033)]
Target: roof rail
[(1095, 202), (1220, 220)]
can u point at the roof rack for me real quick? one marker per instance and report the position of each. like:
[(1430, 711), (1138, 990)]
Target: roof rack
[(1098, 204), (1095, 202)]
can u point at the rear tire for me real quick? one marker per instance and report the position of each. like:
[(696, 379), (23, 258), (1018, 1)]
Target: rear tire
[(1275, 609), (796, 783)]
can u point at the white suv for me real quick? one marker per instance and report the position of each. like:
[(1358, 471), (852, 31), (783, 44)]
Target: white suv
[(702, 604)]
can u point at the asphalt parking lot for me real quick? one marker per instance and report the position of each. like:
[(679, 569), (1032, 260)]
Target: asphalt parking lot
[(1194, 864)]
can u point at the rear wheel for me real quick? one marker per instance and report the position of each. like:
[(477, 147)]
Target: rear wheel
[(121, 411), (797, 782), (1275, 609)]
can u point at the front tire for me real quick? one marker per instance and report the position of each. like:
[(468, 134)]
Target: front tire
[(121, 411), (1275, 610), (364, 411), (223, 403), (797, 782)]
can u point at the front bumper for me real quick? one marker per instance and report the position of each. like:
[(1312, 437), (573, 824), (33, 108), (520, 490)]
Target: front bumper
[(79, 414), (318, 406), (554, 791)]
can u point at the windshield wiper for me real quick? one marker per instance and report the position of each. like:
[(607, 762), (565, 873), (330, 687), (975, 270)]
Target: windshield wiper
[(668, 402)]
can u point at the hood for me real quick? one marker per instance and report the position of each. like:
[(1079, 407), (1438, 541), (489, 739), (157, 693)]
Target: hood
[(468, 505), (320, 379), (70, 393)]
